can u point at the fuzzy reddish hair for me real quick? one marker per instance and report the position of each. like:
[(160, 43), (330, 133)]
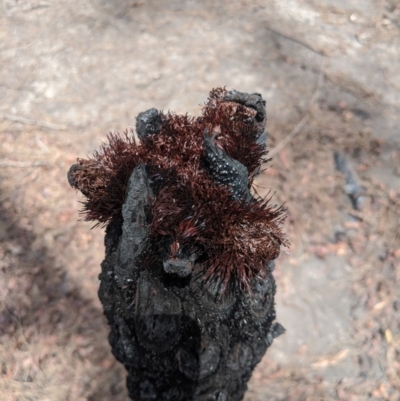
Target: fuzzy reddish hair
[(237, 237)]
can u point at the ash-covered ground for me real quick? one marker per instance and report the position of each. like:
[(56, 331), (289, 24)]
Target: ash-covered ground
[(330, 74)]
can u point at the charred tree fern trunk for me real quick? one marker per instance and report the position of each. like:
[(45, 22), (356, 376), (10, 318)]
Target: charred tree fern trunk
[(186, 284)]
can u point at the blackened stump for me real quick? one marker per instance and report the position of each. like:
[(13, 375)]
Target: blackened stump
[(190, 314)]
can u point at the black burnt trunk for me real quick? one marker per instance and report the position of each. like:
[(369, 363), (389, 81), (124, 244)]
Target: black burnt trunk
[(178, 337), (187, 284)]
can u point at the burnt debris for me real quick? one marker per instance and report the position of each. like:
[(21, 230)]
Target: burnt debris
[(186, 284), (351, 187)]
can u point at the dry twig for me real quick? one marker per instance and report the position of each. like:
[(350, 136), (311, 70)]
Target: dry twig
[(31, 121)]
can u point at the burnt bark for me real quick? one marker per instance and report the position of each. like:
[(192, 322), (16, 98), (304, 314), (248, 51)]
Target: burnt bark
[(179, 337), (181, 333)]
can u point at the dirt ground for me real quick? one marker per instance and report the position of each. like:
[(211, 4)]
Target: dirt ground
[(330, 72)]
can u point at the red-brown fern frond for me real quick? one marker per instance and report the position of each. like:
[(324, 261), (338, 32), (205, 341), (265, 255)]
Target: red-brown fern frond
[(236, 237)]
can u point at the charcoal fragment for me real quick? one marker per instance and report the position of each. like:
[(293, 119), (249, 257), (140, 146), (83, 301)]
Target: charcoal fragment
[(148, 123), (225, 170)]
